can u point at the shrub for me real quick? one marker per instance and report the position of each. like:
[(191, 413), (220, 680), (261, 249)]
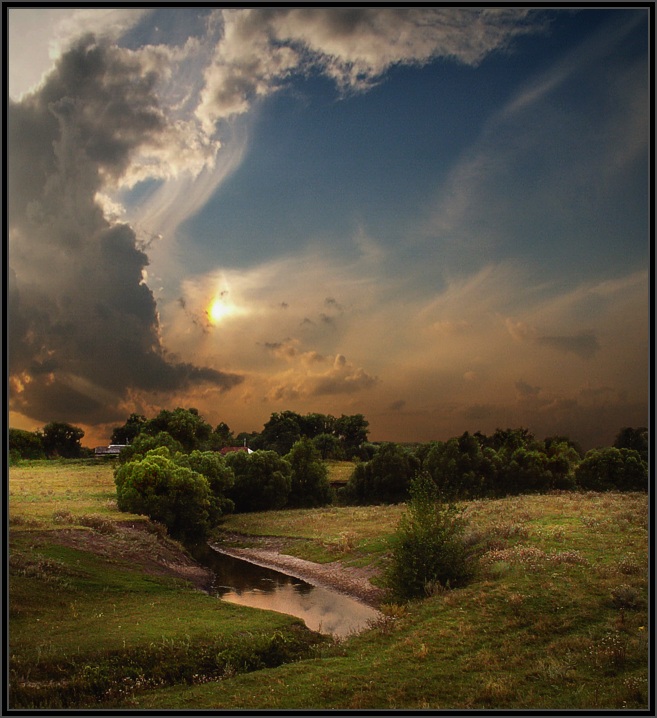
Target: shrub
[(262, 480), (166, 492), (309, 477), (145, 443), (25, 445), (220, 477), (386, 478), (612, 468), (428, 548)]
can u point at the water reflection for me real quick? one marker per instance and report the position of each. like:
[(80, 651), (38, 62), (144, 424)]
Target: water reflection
[(321, 609)]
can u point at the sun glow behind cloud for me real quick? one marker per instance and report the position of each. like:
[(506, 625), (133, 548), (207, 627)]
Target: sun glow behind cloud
[(221, 309), (512, 291)]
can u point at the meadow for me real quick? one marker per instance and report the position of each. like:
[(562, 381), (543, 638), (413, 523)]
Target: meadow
[(556, 618)]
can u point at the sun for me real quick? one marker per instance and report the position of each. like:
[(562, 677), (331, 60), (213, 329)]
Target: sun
[(219, 310)]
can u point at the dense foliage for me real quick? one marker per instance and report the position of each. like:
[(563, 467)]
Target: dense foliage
[(309, 476), (26, 444), (509, 462), (385, 478), (262, 480), (160, 487), (428, 550), (612, 469), (175, 448), (335, 438)]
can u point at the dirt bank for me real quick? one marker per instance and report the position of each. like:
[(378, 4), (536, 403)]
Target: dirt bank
[(138, 545), (142, 545), (349, 580)]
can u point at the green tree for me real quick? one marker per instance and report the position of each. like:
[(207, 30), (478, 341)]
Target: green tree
[(144, 443), (26, 444), (62, 439), (523, 471), (385, 478), (221, 436), (166, 492), (127, 433), (635, 439), (428, 548), (312, 425), (281, 432), (562, 460), (262, 480), (456, 467), (352, 431), (612, 469), (511, 439), (184, 425), (329, 446), (309, 477), (559, 440), (213, 467)]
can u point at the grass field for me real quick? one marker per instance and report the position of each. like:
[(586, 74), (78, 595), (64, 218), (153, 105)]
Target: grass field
[(557, 617), (97, 611)]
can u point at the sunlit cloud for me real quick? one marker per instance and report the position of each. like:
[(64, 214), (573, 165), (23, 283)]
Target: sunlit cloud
[(511, 288)]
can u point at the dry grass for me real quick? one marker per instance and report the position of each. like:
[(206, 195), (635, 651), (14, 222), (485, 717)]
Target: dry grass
[(54, 492), (339, 472)]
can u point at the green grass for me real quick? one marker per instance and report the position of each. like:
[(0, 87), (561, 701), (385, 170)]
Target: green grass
[(353, 534), (339, 472), (93, 617), (557, 617), (38, 490)]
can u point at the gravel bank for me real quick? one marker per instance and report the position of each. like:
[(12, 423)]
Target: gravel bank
[(354, 582)]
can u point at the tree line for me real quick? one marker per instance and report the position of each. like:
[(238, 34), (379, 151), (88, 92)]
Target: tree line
[(172, 470), (334, 437), (509, 462)]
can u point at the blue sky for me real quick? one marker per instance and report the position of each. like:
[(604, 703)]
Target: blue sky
[(436, 217)]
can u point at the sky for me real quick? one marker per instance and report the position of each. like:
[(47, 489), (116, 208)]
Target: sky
[(437, 217)]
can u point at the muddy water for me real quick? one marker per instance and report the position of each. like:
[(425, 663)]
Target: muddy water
[(321, 609)]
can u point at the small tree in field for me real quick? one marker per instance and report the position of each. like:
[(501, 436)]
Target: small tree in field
[(174, 495), (428, 548), (309, 477)]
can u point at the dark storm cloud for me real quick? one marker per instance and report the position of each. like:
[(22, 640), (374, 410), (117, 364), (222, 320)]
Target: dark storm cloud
[(83, 323)]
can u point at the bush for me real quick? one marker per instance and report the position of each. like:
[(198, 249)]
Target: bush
[(145, 443), (25, 445), (612, 469), (220, 477), (310, 486), (386, 478), (262, 480), (174, 495), (428, 548)]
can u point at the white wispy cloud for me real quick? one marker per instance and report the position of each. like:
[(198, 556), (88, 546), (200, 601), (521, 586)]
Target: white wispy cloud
[(260, 49)]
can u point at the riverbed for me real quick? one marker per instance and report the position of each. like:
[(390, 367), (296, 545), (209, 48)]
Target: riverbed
[(321, 607), (348, 580)]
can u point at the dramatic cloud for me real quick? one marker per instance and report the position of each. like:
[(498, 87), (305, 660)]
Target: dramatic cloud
[(306, 380), (261, 49), (434, 216), (84, 326)]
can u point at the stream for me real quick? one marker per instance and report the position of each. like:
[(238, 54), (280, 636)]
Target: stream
[(321, 609)]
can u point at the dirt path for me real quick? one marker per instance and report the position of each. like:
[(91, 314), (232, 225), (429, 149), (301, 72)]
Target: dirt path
[(349, 580)]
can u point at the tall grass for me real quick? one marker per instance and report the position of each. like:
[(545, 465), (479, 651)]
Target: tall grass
[(95, 614), (557, 619)]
